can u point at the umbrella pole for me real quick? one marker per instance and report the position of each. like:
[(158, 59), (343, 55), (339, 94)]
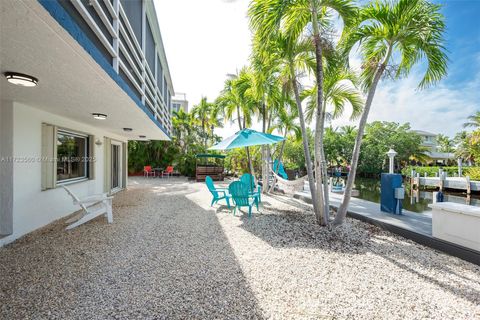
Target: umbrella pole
[(250, 164)]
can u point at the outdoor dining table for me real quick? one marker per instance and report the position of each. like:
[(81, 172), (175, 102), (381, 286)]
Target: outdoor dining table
[(158, 171)]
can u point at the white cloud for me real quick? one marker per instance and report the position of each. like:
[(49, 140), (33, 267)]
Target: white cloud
[(205, 40), (439, 109)]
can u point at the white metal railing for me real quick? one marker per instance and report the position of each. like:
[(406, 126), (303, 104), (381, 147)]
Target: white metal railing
[(125, 42)]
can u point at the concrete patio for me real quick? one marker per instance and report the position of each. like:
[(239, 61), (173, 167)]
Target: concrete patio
[(168, 254)]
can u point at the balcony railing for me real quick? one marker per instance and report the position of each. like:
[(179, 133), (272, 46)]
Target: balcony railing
[(108, 20)]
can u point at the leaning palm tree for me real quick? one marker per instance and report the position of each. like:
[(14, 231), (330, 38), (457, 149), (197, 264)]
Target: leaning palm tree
[(406, 29), (474, 121)]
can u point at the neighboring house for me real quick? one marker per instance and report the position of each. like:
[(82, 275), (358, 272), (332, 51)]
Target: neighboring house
[(429, 141), (103, 79), (179, 101)]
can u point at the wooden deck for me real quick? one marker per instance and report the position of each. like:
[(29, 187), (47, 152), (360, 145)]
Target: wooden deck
[(455, 183)]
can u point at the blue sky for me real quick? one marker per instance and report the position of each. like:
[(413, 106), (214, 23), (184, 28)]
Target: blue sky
[(205, 40)]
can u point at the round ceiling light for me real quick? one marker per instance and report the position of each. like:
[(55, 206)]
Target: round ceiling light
[(99, 116), (21, 79)]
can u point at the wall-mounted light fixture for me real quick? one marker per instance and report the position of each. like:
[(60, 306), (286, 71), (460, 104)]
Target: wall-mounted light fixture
[(142, 137), (127, 129), (99, 116), (21, 79)]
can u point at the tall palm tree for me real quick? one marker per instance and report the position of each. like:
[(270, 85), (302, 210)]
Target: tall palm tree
[(474, 121), (206, 114), (294, 56), (407, 29), (307, 17), (236, 100), (182, 122), (339, 90), (265, 93)]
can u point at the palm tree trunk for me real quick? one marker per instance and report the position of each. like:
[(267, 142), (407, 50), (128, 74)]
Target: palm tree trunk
[(306, 150), (320, 174), (342, 210), (279, 161), (264, 151)]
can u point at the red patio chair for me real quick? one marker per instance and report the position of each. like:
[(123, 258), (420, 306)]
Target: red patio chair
[(147, 171), (167, 172)]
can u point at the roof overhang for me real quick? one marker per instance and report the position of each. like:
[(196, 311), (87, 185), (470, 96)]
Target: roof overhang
[(71, 82)]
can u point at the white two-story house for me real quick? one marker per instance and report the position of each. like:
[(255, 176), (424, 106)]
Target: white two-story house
[(429, 141), (79, 78)]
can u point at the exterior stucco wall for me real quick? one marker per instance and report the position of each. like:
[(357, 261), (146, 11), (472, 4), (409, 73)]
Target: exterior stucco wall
[(33, 208)]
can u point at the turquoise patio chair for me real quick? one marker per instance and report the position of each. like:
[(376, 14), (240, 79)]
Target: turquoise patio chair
[(242, 197), (217, 193), (249, 180)]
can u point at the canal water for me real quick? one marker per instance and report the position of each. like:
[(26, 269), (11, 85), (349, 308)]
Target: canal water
[(417, 201)]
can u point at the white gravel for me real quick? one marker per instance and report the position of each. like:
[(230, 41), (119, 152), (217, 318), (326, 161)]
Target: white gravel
[(168, 254)]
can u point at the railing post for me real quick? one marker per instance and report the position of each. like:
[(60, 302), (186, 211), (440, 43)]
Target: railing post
[(116, 40), (144, 61)]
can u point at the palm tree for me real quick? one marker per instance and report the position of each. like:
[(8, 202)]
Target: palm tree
[(474, 121), (294, 55), (445, 144), (297, 17), (285, 123), (265, 93), (408, 29), (206, 114), (339, 89), (236, 100), (182, 122)]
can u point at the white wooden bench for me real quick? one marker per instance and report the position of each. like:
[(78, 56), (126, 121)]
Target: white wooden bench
[(92, 207)]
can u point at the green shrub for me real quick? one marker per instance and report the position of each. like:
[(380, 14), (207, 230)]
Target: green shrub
[(473, 172)]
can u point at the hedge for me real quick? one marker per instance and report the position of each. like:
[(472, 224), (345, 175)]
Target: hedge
[(473, 172)]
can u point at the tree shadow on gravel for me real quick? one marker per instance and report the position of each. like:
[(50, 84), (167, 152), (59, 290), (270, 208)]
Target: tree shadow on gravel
[(297, 228), (164, 257), (294, 229)]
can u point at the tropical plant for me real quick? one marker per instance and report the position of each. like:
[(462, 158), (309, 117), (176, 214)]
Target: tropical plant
[(473, 121), (285, 124), (206, 113), (405, 29), (312, 18), (293, 56), (237, 100), (445, 144)]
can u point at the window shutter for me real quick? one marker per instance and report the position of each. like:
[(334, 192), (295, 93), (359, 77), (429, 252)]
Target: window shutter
[(108, 165), (49, 156), (91, 157)]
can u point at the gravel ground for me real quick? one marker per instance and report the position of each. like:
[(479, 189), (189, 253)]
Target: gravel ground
[(168, 254)]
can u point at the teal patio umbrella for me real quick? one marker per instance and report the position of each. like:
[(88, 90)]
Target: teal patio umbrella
[(246, 138)]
